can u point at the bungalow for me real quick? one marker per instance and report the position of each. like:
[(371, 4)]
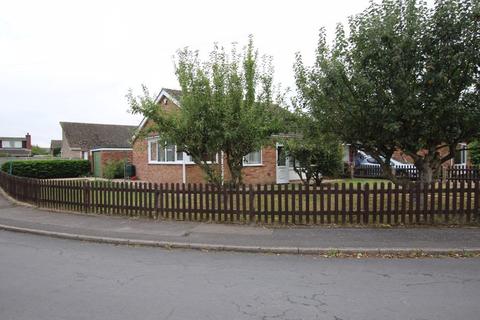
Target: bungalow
[(98, 143), (155, 161), (16, 146)]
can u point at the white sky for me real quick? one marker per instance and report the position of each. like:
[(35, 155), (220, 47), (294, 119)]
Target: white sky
[(76, 60)]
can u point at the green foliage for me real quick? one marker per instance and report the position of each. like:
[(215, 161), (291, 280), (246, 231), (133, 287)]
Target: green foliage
[(57, 151), (226, 107), (36, 150), (406, 77), (45, 169), (114, 169), (474, 151), (315, 154)]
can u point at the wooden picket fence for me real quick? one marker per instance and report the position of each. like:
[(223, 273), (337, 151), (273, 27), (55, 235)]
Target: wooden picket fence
[(365, 171), (450, 202), (470, 173)]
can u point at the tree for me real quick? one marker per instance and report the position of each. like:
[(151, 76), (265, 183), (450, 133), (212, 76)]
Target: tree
[(474, 150), (36, 150), (226, 108), (405, 78), (315, 155)]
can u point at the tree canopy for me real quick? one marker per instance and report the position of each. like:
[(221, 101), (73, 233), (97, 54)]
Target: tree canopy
[(227, 108), (404, 77)]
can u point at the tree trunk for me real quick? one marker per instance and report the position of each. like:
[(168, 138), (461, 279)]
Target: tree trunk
[(425, 173), (427, 168)]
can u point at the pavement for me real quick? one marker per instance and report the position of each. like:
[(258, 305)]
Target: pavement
[(15, 216)]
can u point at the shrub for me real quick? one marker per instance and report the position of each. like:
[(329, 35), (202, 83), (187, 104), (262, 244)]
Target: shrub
[(474, 148), (45, 169), (114, 169)]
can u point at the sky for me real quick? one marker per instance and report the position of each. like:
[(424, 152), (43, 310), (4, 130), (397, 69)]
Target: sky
[(76, 60)]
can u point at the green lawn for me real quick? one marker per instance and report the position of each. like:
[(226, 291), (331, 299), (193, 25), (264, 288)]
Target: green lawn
[(370, 182)]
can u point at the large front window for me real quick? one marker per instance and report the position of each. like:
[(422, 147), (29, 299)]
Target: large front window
[(165, 153), (14, 144), (253, 158)]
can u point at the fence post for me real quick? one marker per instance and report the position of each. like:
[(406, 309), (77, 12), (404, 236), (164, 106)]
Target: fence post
[(251, 214), (86, 196), (477, 201), (366, 203)]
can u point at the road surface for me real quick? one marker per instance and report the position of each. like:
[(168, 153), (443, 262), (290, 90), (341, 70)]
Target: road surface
[(47, 278)]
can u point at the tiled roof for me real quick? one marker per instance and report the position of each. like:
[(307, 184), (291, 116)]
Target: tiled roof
[(87, 136), (55, 144), (13, 138), (177, 94)]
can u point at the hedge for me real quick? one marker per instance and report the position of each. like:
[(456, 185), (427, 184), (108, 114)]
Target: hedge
[(45, 169)]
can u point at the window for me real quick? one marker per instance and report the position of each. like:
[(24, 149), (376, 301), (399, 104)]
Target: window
[(12, 144), (165, 153), (461, 155), (170, 153), (253, 158), (153, 155), (179, 155), (85, 155), (281, 156)]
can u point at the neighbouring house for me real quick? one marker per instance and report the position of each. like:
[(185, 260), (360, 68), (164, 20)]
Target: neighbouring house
[(155, 161), (99, 143), (16, 146), (55, 147), (461, 159)]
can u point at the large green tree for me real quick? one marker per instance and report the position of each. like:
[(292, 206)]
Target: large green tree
[(315, 155), (226, 108), (405, 77)]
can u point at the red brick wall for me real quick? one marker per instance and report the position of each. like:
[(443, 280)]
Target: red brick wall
[(115, 155), (265, 173), (401, 156), (159, 173), (172, 173)]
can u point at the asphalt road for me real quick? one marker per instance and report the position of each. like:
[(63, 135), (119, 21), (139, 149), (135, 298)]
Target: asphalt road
[(46, 278)]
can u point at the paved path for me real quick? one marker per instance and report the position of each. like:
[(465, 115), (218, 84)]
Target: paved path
[(43, 278), (250, 238)]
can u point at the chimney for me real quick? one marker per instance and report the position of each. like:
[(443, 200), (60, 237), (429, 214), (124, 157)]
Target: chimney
[(28, 137)]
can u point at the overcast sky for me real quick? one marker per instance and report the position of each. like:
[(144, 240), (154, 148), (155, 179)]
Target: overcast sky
[(76, 60)]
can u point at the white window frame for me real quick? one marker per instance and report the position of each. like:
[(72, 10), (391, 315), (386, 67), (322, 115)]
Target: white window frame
[(246, 164), (463, 156), (12, 144), (176, 160)]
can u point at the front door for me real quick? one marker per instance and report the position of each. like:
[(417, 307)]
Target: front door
[(282, 165), (97, 164)]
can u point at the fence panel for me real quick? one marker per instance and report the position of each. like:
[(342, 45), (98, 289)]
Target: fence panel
[(454, 200)]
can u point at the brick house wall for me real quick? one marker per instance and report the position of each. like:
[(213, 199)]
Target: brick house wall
[(401, 156), (115, 155), (173, 173)]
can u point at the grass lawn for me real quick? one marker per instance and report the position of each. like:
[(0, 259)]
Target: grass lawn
[(370, 182)]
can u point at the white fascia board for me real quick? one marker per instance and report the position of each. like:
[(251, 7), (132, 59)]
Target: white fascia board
[(111, 149), (162, 93)]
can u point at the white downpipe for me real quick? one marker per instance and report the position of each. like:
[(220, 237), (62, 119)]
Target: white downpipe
[(184, 169)]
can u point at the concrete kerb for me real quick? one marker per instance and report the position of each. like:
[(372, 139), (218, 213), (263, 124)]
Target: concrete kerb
[(232, 248), (244, 249)]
